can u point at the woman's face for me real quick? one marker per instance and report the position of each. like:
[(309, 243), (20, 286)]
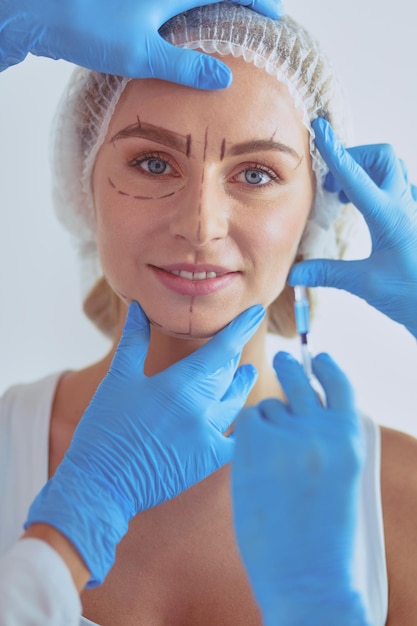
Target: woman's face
[(201, 198)]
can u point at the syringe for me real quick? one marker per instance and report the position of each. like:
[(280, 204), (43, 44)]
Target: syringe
[(302, 321)]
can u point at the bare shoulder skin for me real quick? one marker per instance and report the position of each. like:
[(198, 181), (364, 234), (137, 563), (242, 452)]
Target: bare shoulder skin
[(399, 503)]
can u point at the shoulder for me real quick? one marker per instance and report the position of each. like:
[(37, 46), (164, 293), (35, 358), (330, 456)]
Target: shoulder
[(399, 504), (22, 398)]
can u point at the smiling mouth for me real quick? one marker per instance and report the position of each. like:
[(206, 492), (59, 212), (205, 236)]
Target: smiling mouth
[(194, 275)]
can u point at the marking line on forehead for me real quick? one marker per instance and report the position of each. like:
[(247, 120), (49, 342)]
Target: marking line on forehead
[(261, 145), (166, 137), (223, 149)]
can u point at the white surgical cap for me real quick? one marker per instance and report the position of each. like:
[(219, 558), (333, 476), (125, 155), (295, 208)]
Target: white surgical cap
[(281, 47)]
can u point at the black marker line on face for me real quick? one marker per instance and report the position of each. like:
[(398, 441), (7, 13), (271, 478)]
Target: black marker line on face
[(205, 144), (188, 147), (222, 149), (168, 195), (201, 185), (163, 136), (123, 193), (154, 323)]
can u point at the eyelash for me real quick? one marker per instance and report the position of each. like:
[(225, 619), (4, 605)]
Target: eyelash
[(137, 161), (260, 167)]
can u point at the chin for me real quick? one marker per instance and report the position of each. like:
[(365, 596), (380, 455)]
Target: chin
[(193, 330)]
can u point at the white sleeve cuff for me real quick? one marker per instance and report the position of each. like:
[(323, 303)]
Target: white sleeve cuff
[(36, 587)]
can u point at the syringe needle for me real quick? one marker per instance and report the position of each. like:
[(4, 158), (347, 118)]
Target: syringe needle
[(302, 321)]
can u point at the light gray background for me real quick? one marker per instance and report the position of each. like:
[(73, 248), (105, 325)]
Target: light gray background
[(372, 45)]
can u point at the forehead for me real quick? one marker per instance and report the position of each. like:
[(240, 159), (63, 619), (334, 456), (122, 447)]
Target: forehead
[(255, 106)]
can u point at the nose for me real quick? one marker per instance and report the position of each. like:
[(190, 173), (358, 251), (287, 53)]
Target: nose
[(201, 216)]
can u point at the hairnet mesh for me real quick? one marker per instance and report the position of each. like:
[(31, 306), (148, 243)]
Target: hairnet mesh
[(283, 48)]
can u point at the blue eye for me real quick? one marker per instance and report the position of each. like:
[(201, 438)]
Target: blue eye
[(256, 177), (154, 165)]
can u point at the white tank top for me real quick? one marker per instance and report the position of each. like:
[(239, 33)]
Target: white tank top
[(25, 412)]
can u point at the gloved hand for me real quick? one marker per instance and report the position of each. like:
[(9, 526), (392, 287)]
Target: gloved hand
[(116, 36), (143, 440), (295, 480), (376, 181)]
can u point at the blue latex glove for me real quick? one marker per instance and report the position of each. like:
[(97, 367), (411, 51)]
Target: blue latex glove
[(143, 440), (113, 36), (295, 480), (376, 181)]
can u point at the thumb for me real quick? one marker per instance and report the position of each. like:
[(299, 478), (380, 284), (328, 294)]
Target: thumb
[(327, 273), (355, 182), (188, 67), (235, 397), (133, 345)]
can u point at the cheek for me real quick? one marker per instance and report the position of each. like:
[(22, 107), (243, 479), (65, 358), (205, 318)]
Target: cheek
[(114, 229), (276, 236), (282, 225)]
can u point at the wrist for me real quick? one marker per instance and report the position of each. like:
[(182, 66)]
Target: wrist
[(64, 548), (84, 511)]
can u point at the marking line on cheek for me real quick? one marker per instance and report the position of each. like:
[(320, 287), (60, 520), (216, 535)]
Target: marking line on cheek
[(205, 144), (123, 193), (168, 195), (138, 120), (299, 163)]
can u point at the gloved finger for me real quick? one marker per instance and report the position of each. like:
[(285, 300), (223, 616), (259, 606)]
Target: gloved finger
[(328, 273), (270, 8), (405, 170), (413, 190), (133, 345), (357, 184), (247, 425), (188, 67), (223, 452), (228, 343), (331, 184), (169, 8), (382, 165), (235, 397), (274, 411), (339, 392), (301, 397)]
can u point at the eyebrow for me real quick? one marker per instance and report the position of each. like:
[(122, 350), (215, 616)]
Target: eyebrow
[(260, 145), (166, 137)]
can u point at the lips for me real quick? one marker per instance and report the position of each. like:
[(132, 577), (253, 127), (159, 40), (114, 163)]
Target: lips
[(194, 275), (195, 280)]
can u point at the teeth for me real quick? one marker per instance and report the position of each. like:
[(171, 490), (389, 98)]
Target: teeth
[(194, 275)]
